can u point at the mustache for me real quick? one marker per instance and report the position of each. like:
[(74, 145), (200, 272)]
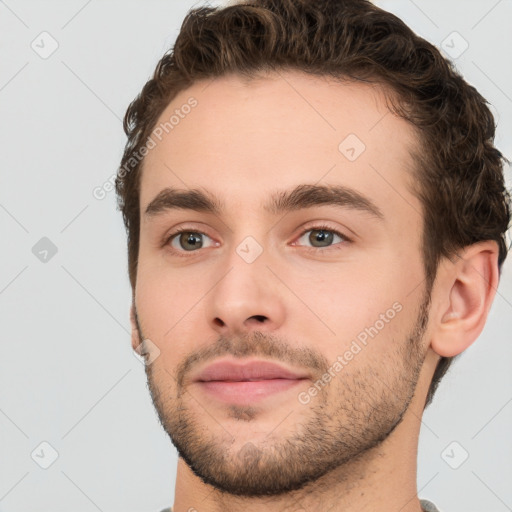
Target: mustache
[(255, 343)]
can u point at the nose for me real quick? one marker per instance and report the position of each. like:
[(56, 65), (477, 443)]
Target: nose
[(247, 297)]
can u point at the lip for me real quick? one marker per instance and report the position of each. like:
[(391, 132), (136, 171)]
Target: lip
[(253, 370), (247, 383)]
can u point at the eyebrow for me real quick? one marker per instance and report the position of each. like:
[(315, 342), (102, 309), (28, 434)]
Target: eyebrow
[(302, 196)]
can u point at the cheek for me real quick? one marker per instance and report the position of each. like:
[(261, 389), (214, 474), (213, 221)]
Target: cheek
[(363, 300), (168, 304)]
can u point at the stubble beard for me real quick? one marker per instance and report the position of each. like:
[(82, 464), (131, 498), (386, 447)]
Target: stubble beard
[(345, 422)]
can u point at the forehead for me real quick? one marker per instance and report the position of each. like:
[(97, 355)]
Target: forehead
[(243, 139)]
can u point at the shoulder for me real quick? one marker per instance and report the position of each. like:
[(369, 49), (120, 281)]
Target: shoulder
[(426, 505)]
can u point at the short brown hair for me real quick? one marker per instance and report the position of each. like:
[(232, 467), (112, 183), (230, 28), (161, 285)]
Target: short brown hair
[(459, 174)]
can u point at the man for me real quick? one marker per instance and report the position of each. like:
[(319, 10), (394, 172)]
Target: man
[(316, 216)]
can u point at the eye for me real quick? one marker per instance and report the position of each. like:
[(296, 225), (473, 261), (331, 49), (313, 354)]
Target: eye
[(187, 240), (322, 237)]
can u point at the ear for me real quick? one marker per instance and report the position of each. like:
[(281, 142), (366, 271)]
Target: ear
[(136, 341), (467, 288)]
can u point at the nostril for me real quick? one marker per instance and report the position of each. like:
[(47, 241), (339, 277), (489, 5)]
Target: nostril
[(260, 318)]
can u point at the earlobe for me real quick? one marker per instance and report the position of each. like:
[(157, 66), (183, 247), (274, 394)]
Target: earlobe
[(136, 341), (471, 287)]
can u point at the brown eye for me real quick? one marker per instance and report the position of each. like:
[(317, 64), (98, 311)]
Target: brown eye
[(190, 241), (321, 237), (187, 240)]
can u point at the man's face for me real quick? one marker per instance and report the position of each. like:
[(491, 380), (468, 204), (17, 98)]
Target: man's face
[(323, 288)]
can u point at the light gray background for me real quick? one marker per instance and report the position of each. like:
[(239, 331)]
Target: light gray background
[(67, 372)]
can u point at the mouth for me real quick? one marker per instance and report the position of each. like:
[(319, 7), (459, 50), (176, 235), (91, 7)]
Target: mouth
[(248, 383), (246, 392)]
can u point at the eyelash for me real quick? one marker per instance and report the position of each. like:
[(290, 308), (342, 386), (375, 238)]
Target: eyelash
[(185, 254)]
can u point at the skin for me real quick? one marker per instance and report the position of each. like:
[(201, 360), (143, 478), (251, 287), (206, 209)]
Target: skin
[(353, 446)]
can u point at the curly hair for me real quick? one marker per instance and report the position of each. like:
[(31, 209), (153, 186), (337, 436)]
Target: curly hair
[(459, 173)]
